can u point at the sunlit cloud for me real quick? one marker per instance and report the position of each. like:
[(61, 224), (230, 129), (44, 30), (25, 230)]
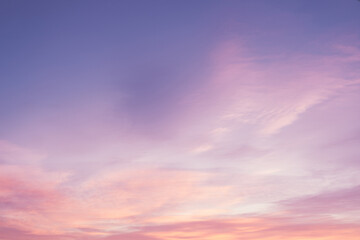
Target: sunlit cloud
[(183, 120)]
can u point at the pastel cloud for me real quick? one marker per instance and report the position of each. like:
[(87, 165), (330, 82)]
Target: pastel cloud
[(250, 228), (249, 89), (14, 154), (28, 196), (246, 228), (125, 194), (112, 198), (235, 126), (343, 201), (247, 110)]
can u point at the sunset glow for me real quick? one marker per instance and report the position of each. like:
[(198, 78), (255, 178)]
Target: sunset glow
[(180, 120)]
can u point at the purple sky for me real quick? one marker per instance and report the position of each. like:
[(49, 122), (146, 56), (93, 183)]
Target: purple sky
[(170, 120)]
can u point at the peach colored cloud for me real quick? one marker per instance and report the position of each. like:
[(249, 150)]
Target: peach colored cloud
[(43, 203), (144, 193), (251, 228), (247, 228)]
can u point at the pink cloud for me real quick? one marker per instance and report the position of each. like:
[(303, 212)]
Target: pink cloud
[(270, 95), (123, 194), (29, 196), (247, 228), (14, 154), (114, 200), (232, 125), (252, 229)]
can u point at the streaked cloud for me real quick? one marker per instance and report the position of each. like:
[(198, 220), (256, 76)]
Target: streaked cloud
[(214, 120)]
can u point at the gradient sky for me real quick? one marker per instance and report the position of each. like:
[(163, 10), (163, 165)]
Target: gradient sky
[(173, 120)]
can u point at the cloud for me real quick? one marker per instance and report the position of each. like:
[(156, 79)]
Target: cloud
[(10, 233), (14, 154), (41, 203), (229, 125), (343, 201), (29, 197), (144, 193), (251, 228), (270, 95), (25, 188), (228, 228)]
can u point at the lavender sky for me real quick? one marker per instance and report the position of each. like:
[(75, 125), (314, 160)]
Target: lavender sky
[(173, 120)]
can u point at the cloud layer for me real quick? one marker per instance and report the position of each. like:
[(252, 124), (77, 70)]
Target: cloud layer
[(184, 120)]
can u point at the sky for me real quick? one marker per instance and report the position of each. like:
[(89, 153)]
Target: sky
[(173, 120)]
